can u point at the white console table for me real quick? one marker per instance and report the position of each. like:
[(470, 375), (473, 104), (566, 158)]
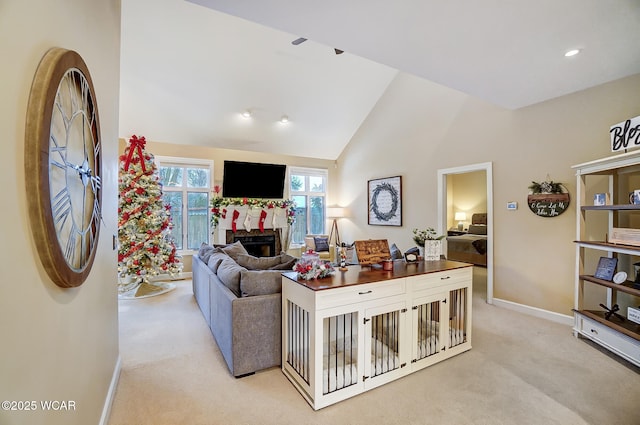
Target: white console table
[(361, 328)]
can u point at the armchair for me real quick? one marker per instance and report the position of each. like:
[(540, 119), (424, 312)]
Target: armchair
[(315, 242)]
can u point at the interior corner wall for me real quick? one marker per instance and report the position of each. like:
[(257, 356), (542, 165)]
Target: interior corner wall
[(419, 127), (57, 344)]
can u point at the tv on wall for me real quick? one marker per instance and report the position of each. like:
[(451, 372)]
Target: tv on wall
[(253, 180)]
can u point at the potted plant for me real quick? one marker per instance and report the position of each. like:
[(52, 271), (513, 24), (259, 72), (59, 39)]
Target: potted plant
[(429, 241)]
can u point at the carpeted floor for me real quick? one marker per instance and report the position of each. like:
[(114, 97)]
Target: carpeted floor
[(521, 370)]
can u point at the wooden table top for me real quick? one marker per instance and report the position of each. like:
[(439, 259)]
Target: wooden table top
[(358, 275)]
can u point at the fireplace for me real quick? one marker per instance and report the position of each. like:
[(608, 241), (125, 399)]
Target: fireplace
[(257, 243)]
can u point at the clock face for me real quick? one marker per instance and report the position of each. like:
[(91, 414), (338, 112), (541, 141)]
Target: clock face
[(63, 166), (73, 161)]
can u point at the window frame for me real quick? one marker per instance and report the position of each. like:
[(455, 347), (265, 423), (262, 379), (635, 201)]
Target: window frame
[(183, 162), (308, 172)]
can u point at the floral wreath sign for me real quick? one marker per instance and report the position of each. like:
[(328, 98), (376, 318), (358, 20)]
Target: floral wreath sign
[(548, 199), (385, 201)]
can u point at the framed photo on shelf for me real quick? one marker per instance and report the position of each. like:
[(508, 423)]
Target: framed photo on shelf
[(606, 268), (412, 255), (601, 199), (385, 201)]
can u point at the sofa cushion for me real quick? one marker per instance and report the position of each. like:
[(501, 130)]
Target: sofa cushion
[(260, 282), (234, 249), (229, 274), (205, 252), (257, 263)]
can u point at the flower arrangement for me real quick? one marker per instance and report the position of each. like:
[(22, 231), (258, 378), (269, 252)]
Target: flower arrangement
[(309, 269), (428, 234)]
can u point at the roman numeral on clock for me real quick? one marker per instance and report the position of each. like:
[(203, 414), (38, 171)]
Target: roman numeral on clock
[(61, 208)]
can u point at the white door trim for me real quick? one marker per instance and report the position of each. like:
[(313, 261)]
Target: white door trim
[(442, 211)]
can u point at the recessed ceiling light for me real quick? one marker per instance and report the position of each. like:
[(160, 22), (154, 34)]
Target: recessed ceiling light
[(284, 119), (572, 52), (247, 114)]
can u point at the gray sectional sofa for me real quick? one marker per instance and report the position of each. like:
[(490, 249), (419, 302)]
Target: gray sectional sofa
[(239, 296)]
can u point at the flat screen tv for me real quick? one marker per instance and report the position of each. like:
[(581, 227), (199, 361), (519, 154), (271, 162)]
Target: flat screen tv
[(253, 180)]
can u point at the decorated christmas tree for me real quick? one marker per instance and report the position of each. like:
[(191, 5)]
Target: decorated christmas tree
[(146, 248)]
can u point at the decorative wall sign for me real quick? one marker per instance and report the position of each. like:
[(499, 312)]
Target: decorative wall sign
[(385, 201), (548, 199), (625, 135)]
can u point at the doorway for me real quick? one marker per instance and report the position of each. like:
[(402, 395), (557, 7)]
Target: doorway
[(445, 215)]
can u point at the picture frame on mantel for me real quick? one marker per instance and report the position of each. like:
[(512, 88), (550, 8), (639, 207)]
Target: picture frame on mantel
[(385, 201)]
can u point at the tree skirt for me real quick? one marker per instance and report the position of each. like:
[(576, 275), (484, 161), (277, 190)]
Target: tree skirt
[(146, 290)]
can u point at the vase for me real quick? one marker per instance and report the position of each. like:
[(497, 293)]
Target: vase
[(432, 250)]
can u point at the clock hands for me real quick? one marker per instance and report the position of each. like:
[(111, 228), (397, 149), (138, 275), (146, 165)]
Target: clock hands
[(86, 174)]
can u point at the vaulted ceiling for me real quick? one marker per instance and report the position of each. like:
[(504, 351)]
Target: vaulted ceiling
[(190, 68)]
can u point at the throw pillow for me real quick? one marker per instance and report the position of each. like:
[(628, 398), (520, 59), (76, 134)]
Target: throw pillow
[(396, 254), (286, 258), (205, 252), (257, 263), (285, 266), (215, 260), (229, 274), (234, 249), (322, 244), (478, 229), (260, 282)]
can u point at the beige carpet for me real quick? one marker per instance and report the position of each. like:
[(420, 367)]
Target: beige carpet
[(521, 370)]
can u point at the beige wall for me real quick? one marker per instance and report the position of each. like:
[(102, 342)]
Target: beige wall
[(468, 194), (57, 344), (418, 127)]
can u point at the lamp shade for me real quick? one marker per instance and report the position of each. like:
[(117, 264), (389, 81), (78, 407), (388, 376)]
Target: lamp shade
[(335, 212), (460, 216)]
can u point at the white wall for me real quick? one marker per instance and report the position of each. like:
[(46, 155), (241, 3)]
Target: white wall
[(418, 127), (57, 344)]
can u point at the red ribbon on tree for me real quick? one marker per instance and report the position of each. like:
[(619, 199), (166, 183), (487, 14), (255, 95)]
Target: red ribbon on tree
[(135, 143)]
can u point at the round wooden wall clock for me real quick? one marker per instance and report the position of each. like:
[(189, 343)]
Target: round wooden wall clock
[(63, 166)]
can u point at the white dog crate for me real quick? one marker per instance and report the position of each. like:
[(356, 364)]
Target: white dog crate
[(342, 339)]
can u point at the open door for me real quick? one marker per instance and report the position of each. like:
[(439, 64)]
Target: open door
[(445, 178)]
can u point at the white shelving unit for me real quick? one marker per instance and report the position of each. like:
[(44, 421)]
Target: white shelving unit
[(618, 175)]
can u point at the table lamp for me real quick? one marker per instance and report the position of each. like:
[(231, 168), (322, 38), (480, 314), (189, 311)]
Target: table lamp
[(460, 217)]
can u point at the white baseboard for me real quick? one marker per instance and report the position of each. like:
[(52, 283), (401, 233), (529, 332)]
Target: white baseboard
[(106, 410), (563, 319)]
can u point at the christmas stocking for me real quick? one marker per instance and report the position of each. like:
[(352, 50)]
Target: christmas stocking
[(247, 220), (263, 215), (224, 213), (273, 220), (236, 214)]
